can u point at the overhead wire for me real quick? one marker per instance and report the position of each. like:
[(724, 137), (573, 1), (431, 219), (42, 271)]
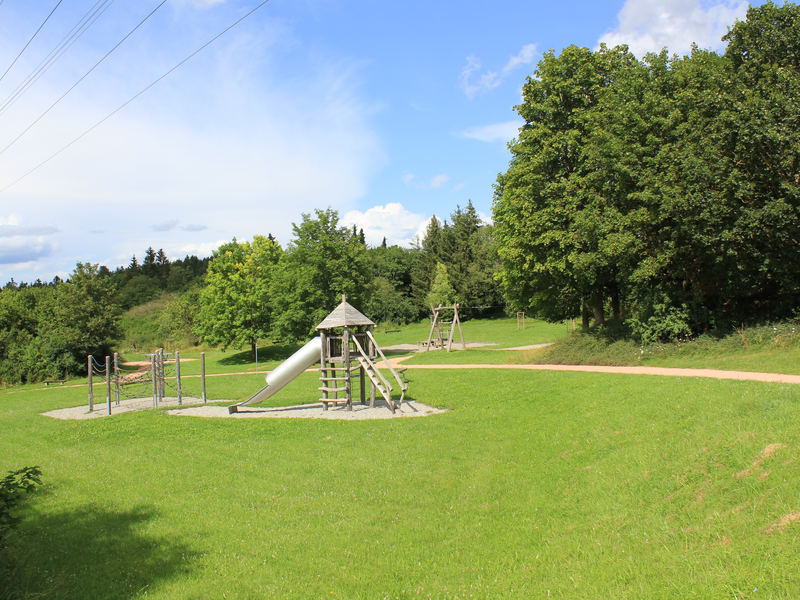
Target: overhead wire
[(96, 125), (14, 141), (30, 40), (57, 52)]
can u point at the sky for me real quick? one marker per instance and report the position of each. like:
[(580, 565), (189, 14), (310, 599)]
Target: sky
[(388, 112)]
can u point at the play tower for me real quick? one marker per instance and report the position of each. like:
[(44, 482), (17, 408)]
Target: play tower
[(347, 353)]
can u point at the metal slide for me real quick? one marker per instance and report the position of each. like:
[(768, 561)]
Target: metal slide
[(285, 372)]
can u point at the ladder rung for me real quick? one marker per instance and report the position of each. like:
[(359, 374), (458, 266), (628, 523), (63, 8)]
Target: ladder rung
[(334, 378), (330, 389)]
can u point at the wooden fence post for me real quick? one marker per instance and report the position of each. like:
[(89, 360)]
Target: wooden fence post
[(203, 374), (91, 389), (178, 376), (116, 376), (108, 383)]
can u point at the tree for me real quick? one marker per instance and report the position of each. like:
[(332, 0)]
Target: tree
[(323, 262), (442, 293), (235, 305), (548, 226), (82, 316)]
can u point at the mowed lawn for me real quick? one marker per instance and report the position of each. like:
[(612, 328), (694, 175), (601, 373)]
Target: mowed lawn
[(534, 484)]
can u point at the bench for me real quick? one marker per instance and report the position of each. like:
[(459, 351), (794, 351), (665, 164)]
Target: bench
[(49, 381), (392, 330)]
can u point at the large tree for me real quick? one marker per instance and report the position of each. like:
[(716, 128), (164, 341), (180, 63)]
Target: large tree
[(549, 223), (324, 261), (235, 305)]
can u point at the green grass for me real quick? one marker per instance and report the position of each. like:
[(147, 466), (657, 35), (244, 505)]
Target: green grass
[(140, 323), (534, 484), (502, 331), (767, 349)]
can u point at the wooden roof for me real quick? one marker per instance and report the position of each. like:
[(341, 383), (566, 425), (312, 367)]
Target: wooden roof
[(344, 315)]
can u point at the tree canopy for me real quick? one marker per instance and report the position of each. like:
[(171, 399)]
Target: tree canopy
[(665, 190)]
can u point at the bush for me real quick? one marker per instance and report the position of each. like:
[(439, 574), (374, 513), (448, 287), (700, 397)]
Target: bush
[(12, 489)]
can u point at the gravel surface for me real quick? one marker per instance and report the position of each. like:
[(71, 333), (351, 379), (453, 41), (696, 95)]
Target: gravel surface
[(194, 407), (312, 411)]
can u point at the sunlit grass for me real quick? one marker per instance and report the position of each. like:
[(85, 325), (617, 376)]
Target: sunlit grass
[(533, 484), (768, 349)]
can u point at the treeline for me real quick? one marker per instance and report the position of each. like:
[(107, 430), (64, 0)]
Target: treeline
[(260, 290), (665, 191), (247, 291), (139, 282), (47, 331)]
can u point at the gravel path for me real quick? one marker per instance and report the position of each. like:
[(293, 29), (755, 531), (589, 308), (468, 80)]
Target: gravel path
[(671, 372)]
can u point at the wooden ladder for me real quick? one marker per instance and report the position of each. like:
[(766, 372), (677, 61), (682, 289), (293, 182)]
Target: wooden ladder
[(377, 380)]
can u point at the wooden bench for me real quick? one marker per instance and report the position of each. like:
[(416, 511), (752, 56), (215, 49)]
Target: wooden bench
[(49, 381), (392, 330)]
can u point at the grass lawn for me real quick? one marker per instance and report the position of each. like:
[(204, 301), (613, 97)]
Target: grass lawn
[(501, 331), (534, 484), (766, 348)]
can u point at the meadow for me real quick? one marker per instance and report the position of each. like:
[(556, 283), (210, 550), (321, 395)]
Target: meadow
[(533, 484)]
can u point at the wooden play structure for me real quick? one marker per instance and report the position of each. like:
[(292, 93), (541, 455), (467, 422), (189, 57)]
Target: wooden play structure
[(347, 352), (348, 356), (444, 329)]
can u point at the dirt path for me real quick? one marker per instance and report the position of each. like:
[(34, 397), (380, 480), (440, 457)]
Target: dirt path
[(671, 372)]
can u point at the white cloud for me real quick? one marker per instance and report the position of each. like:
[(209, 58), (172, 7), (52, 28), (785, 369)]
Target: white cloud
[(433, 183), (459, 187), (393, 221), (206, 249), (491, 79), (497, 132), (648, 26), (439, 180)]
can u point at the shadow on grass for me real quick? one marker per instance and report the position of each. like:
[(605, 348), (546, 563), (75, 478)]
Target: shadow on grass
[(278, 352), (94, 554)]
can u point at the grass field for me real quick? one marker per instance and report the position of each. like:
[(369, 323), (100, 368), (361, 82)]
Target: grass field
[(534, 484), (771, 348)]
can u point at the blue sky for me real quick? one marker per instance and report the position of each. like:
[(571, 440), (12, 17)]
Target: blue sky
[(388, 112)]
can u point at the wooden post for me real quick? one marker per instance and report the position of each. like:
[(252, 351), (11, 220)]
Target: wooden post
[(116, 376), (91, 387), (363, 392), (346, 357), (323, 371), (155, 380), (203, 374), (160, 365), (178, 376), (108, 383)]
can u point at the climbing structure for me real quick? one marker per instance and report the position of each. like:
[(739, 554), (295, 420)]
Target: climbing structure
[(444, 330), (348, 357)]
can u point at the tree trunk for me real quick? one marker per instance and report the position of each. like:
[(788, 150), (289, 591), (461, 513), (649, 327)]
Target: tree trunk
[(599, 315), (615, 309), (584, 313), (253, 349)]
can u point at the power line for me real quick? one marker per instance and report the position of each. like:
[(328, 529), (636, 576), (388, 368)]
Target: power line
[(82, 78), (64, 45), (30, 40), (192, 55)]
